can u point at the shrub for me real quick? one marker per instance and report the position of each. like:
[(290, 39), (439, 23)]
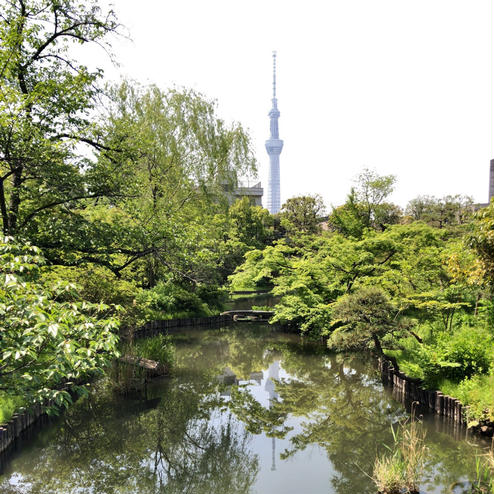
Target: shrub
[(477, 393), (466, 352), (97, 284), (8, 406), (168, 300), (49, 339)]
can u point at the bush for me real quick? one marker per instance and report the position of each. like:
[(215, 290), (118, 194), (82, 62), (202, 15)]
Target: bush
[(50, 340), (168, 300), (97, 284), (8, 406), (214, 297), (456, 356), (476, 392)]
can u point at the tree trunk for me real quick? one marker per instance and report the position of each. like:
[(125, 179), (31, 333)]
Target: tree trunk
[(3, 208), (15, 200), (381, 353)]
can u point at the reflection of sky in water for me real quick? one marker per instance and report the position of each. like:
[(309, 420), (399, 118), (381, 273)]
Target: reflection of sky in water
[(289, 476)]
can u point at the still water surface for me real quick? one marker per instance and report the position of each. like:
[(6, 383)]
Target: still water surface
[(248, 410)]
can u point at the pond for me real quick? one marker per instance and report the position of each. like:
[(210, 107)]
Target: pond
[(248, 410)]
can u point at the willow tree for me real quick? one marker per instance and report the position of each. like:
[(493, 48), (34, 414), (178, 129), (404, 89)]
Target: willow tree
[(176, 158)]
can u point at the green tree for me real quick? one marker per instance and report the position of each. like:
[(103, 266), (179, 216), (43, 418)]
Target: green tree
[(371, 191), (177, 156), (364, 317), (47, 98), (302, 214), (366, 206), (251, 225), (347, 219), (481, 240), (50, 340), (445, 212), (262, 267)]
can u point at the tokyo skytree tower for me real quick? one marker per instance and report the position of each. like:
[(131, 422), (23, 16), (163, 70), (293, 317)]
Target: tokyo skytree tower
[(274, 145)]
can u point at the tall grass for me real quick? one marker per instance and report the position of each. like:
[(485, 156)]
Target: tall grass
[(401, 468), (126, 378), (159, 348), (476, 392), (484, 482)]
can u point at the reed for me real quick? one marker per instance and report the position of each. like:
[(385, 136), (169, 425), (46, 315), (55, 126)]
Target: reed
[(400, 470), (484, 482)]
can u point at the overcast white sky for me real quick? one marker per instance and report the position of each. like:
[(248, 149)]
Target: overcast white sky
[(403, 87)]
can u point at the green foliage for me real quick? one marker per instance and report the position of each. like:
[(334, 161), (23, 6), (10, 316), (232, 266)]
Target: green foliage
[(301, 215), (362, 318), (175, 156), (262, 267), (466, 352), (441, 213), (8, 406), (401, 471), (98, 284), (50, 341), (365, 206), (47, 128), (122, 195), (168, 300), (414, 291), (476, 393), (347, 219), (481, 240), (159, 348), (251, 225)]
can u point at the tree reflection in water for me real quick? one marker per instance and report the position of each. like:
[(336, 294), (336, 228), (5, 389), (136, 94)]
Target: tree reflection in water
[(342, 408), (177, 446), (192, 434)]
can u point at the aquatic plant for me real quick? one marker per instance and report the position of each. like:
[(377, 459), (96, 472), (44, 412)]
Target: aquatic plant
[(159, 348), (484, 465), (401, 469), (125, 378)]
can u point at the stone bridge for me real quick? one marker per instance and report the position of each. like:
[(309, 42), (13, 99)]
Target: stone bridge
[(249, 315)]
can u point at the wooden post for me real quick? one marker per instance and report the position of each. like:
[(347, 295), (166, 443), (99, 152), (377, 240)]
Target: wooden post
[(438, 407)]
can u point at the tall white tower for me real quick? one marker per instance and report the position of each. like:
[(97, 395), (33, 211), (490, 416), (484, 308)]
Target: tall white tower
[(274, 145)]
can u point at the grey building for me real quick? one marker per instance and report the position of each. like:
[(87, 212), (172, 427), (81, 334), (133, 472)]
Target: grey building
[(252, 192)]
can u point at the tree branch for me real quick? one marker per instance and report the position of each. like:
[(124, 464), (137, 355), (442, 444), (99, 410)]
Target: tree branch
[(30, 216), (89, 141)]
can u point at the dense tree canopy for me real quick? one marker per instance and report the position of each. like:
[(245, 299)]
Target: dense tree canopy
[(302, 215), (447, 211), (46, 104)]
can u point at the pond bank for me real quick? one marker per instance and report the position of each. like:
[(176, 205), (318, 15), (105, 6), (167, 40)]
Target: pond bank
[(407, 390), (20, 422)]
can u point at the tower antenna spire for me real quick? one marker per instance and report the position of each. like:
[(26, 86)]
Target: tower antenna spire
[(274, 145), (274, 74)]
